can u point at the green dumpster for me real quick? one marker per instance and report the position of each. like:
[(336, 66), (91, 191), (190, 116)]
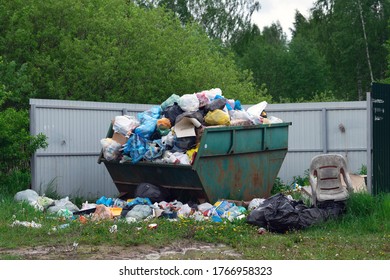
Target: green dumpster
[(233, 162)]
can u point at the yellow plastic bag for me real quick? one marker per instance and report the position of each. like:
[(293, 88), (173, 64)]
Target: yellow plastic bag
[(192, 153), (217, 117)]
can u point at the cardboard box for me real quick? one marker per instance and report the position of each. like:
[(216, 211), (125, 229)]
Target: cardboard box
[(120, 138)]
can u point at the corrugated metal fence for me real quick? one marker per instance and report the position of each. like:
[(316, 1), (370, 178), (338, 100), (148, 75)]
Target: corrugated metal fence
[(74, 130)]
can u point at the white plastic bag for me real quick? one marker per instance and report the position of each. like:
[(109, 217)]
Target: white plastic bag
[(255, 203), (189, 103), (110, 148), (184, 211), (125, 124), (273, 119), (213, 92), (256, 110)]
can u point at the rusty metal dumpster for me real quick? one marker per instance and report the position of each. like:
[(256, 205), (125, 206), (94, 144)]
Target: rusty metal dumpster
[(233, 162)]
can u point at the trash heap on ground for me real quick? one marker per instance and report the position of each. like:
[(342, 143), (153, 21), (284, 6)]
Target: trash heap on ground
[(278, 213), (171, 132)]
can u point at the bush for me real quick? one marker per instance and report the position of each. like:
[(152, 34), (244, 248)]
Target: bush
[(16, 148)]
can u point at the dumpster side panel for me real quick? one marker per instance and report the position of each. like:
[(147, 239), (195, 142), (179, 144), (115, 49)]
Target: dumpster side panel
[(241, 163), (240, 177), (127, 176)]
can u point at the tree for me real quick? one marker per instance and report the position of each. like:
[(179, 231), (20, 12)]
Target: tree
[(112, 50), (351, 35), (220, 18)]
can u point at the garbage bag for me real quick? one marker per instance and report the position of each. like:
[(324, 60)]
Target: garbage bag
[(168, 140), (147, 126), (110, 148), (139, 212), (170, 101), (184, 143), (281, 214), (63, 203), (163, 126), (172, 112), (187, 123), (135, 147), (154, 150), (217, 117), (255, 203), (212, 93), (218, 103), (192, 115), (154, 193), (26, 195), (102, 213), (203, 99), (256, 110), (189, 103), (125, 124)]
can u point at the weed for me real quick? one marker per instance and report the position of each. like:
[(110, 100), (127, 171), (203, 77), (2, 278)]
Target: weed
[(302, 181), (363, 170), (50, 190)]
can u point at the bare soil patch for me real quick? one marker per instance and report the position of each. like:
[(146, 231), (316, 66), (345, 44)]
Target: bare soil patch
[(183, 250)]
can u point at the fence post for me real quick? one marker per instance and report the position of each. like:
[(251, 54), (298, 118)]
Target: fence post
[(369, 143), (324, 131), (33, 131)]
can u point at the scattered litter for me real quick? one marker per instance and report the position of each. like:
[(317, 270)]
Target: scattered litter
[(63, 226), (31, 224), (65, 213), (261, 231), (139, 212), (113, 229), (101, 213), (152, 226), (61, 204)]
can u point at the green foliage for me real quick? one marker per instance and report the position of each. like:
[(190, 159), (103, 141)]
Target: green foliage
[(336, 28), (284, 68), (110, 51), (302, 181), (363, 170), (16, 85), (220, 19), (16, 149), (278, 186)]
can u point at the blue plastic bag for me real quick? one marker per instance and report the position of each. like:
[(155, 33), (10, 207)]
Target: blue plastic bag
[(105, 201), (139, 201), (135, 148), (154, 150), (147, 126)]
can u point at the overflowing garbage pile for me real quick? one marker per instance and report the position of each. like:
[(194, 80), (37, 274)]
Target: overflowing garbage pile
[(278, 213), (132, 210), (171, 132)]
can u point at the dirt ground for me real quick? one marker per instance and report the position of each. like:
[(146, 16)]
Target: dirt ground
[(184, 250)]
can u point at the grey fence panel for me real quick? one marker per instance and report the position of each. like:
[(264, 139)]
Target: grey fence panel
[(75, 128), (316, 129)]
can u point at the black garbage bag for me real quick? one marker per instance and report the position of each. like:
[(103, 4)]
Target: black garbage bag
[(184, 143), (172, 112), (281, 214), (215, 104), (154, 193), (196, 115)]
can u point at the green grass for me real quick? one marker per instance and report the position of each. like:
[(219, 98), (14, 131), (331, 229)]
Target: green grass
[(362, 233)]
